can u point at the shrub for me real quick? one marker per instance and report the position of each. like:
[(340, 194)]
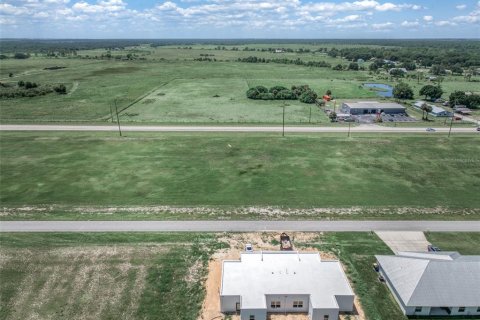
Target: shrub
[(285, 95), (20, 55), (21, 83), (61, 89), (308, 97), (30, 85)]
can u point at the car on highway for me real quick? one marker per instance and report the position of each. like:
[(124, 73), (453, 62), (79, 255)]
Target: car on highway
[(478, 128), (430, 130)]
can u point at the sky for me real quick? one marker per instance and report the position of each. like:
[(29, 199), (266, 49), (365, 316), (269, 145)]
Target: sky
[(221, 19)]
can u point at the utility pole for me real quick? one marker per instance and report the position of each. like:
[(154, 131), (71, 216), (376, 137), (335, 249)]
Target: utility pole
[(118, 119), (451, 123), (349, 124), (111, 113), (310, 116), (283, 126)]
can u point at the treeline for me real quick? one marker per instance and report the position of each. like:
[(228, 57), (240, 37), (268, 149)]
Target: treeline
[(298, 61), (302, 93), (273, 50), (464, 56), (28, 89)]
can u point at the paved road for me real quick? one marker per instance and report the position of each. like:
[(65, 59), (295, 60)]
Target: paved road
[(239, 226), (361, 128)]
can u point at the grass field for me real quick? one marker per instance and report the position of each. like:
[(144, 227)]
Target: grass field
[(170, 87), (103, 276), (75, 169)]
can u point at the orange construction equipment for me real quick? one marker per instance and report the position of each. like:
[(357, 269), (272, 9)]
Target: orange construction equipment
[(327, 98)]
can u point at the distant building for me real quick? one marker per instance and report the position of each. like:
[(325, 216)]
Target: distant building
[(462, 110), (278, 51), (280, 282), (434, 283), (436, 111), (372, 107), (440, 112)]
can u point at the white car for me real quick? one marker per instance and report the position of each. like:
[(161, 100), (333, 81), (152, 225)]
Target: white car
[(248, 247)]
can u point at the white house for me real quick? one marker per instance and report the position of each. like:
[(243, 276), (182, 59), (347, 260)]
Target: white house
[(281, 282), (434, 283)]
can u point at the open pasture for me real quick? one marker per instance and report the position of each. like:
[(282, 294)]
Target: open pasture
[(77, 169), (188, 87)]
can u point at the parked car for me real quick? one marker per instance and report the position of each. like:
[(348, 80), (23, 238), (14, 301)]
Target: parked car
[(478, 128), (430, 130), (458, 118), (248, 247), (432, 248), (381, 279)]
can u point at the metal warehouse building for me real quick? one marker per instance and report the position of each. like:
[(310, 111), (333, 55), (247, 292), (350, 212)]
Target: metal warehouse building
[(433, 284), (372, 107), (281, 282)]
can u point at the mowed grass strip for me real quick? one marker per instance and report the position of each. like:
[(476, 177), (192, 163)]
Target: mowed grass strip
[(211, 169), (103, 276), (357, 252)]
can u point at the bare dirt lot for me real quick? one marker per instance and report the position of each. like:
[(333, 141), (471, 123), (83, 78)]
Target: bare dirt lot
[(260, 241)]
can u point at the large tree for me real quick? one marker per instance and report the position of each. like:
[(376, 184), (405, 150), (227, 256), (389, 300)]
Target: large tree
[(402, 91), (425, 110), (431, 92)]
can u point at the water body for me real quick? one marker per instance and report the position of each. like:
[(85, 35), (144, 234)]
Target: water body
[(382, 90)]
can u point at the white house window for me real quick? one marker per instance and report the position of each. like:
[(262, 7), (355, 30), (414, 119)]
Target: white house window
[(461, 309), (252, 317), (418, 309), (275, 304), (298, 304)]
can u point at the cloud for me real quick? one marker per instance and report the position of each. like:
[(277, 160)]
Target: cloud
[(427, 18), (410, 24), (461, 7), (444, 23), (382, 26)]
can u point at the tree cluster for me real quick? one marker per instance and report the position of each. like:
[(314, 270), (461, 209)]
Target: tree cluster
[(302, 93), (318, 64), (461, 98), (29, 89), (402, 91), (431, 92)]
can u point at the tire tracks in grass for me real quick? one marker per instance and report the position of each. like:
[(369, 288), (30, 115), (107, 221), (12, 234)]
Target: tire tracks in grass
[(108, 116)]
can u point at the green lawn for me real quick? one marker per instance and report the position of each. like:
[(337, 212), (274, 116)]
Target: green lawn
[(103, 276), (218, 170)]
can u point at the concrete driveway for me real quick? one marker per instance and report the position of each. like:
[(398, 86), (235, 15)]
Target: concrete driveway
[(404, 240)]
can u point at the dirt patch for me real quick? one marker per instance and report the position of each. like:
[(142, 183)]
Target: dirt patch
[(268, 241)]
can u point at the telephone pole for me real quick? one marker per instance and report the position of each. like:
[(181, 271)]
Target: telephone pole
[(283, 126), (118, 119)]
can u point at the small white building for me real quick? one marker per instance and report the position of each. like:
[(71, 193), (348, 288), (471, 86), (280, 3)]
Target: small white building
[(434, 283), (281, 282)]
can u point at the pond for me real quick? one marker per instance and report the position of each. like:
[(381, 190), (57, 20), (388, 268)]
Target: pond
[(382, 90)]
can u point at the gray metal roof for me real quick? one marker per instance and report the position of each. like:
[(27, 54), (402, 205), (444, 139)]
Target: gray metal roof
[(373, 105), (434, 279)]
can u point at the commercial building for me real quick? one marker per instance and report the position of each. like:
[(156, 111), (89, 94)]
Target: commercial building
[(281, 282), (372, 107), (434, 283)]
